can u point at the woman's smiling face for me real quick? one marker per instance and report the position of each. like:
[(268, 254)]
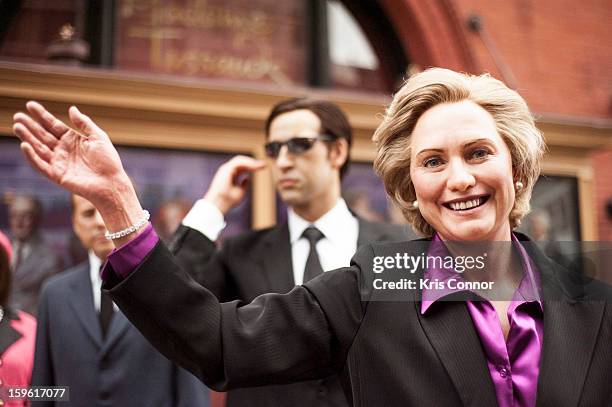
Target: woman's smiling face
[(462, 173)]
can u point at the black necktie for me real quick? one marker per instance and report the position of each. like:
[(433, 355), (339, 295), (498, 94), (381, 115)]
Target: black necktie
[(106, 312), (313, 265), (18, 256)]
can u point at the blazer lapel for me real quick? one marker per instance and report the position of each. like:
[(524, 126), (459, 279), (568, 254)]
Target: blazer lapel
[(81, 301), (277, 263), (366, 234), (119, 324), (451, 332), (570, 334), (569, 325)]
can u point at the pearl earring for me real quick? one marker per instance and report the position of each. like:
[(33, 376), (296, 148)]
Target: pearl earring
[(518, 185), (415, 204)]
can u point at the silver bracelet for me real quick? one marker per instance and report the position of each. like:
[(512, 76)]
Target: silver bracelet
[(131, 229)]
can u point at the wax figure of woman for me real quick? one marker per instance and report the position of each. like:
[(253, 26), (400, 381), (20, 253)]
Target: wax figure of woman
[(17, 334), (460, 155)]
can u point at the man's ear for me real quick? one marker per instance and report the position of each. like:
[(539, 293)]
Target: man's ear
[(338, 152)]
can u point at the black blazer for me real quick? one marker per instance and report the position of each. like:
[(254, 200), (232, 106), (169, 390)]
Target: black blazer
[(386, 353), (256, 263)]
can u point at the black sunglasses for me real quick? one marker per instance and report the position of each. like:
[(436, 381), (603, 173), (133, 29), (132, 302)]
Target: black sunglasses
[(295, 145)]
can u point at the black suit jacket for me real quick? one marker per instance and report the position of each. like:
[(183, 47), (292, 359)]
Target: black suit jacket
[(256, 263), (386, 353)]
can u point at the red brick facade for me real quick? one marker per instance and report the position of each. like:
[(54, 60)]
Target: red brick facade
[(558, 50)]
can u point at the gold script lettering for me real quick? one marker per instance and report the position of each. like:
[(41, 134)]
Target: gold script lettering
[(194, 62)]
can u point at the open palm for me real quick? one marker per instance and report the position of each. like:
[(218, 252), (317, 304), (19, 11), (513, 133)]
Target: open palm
[(84, 161)]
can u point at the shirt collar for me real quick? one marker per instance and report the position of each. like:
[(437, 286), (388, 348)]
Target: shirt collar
[(329, 224), (529, 288), (94, 268)]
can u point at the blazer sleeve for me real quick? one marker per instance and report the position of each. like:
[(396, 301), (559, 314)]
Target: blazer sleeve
[(42, 373), (199, 256), (277, 338)]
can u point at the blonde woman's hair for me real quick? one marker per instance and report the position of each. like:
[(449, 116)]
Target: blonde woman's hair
[(434, 86)]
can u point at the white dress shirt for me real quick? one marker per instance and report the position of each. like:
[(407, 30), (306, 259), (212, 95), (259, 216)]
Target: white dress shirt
[(96, 280), (339, 227)]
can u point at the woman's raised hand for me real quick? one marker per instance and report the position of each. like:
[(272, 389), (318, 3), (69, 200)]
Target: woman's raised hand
[(81, 159), (84, 161)]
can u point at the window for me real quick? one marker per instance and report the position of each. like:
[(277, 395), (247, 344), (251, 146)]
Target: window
[(321, 43)]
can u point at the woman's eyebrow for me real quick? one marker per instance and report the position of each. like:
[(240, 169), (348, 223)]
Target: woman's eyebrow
[(476, 141), (437, 150), (467, 144)]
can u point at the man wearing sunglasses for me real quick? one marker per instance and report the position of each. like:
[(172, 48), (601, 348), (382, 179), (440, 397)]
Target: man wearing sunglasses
[(308, 148)]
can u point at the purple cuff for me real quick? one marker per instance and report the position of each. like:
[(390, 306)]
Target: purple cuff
[(125, 259)]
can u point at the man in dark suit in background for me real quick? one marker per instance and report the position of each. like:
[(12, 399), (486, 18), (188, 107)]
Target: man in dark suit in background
[(308, 145), (85, 343), (34, 261)]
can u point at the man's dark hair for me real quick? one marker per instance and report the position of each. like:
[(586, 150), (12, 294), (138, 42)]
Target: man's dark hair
[(333, 121)]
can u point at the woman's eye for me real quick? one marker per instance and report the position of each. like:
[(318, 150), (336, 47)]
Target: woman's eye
[(432, 162), (480, 153)]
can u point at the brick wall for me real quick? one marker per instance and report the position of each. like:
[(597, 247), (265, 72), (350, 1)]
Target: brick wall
[(559, 51)]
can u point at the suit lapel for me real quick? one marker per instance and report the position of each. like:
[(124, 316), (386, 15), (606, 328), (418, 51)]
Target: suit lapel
[(81, 302), (277, 263), (569, 325), (119, 324), (277, 254), (366, 234), (570, 334), (451, 332), (370, 232), (28, 270)]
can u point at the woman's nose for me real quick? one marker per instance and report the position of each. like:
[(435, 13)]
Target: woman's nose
[(460, 178)]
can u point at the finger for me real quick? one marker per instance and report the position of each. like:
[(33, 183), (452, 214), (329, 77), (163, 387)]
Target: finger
[(241, 172), (38, 163), (250, 167), (52, 124), (241, 179), (26, 136), (36, 129), (242, 163), (83, 123), (245, 159), (244, 183)]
